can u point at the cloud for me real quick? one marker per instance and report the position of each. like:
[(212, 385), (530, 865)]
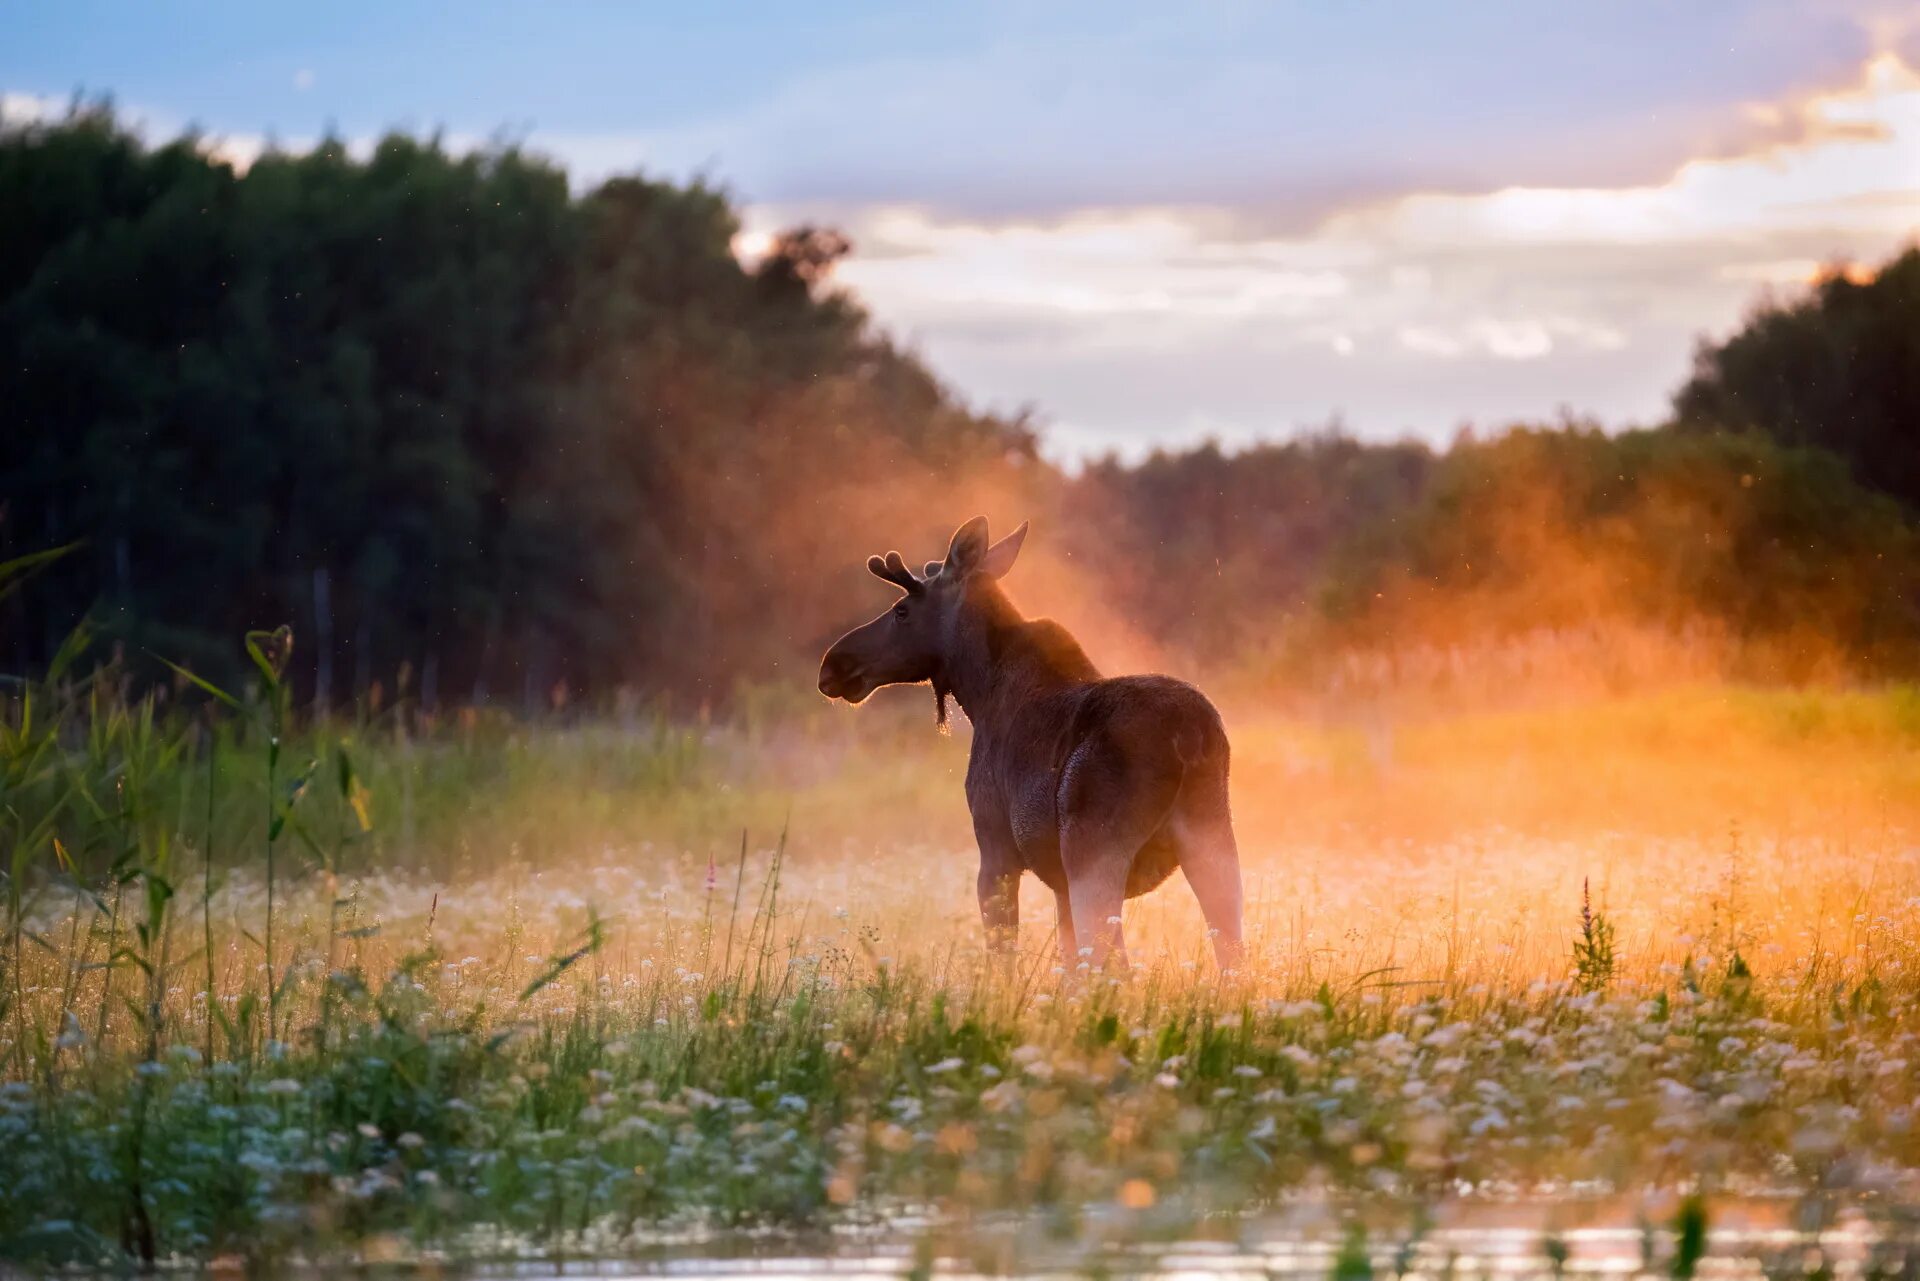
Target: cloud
[(30, 108), (1157, 229), (1132, 325)]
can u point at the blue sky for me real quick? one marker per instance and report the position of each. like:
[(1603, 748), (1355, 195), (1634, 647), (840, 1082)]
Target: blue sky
[(1154, 222)]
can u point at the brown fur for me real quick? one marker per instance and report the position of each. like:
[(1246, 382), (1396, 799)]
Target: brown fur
[(1098, 786)]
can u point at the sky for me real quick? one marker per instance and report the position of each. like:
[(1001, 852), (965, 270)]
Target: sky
[(1152, 223)]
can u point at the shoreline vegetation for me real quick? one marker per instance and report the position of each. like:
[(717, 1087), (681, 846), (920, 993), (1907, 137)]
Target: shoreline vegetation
[(525, 990)]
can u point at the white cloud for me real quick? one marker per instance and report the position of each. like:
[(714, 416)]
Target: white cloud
[(29, 108), (1137, 323)]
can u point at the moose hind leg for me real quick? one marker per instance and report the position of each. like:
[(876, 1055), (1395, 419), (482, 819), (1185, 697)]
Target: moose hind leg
[(1063, 913), (1211, 860), (1096, 898), (1112, 802)]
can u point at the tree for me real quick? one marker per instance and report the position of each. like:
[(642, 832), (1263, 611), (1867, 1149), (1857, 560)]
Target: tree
[(1838, 368)]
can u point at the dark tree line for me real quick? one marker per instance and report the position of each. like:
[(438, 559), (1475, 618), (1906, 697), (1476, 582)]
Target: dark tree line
[(1838, 369), (441, 415), (476, 435)]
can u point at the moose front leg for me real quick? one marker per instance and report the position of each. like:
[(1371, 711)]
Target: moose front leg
[(999, 885), (1000, 906)]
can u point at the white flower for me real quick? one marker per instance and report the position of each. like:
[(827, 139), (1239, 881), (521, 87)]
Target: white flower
[(946, 1065), (1493, 1119)]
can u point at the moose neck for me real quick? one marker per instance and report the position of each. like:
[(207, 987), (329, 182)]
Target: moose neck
[(989, 666)]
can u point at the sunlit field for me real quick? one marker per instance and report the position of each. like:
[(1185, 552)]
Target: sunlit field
[(1605, 973)]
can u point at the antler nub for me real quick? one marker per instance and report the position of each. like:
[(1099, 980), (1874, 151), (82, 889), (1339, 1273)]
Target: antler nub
[(894, 570)]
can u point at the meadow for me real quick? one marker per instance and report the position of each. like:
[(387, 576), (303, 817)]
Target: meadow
[(464, 989)]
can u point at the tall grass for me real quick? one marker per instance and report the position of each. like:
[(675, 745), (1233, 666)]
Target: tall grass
[(466, 987)]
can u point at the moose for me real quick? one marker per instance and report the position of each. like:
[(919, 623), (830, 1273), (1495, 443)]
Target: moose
[(1099, 786)]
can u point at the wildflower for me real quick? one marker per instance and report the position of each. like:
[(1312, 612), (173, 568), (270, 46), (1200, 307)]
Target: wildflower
[(946, 1065), (410, 1141), (368, 1130), (1490, 1120), (1001, 1097), (282, 1086)]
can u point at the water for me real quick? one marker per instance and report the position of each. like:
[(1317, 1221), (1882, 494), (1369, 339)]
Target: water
[(1752, 1238)]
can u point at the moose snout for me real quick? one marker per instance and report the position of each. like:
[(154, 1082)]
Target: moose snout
[(839, 672)]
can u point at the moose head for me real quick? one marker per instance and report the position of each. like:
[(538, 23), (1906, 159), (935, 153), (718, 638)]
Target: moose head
[(908, 644)]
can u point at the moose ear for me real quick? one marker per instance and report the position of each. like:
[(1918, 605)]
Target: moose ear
[(1000, 557), (968, 546)]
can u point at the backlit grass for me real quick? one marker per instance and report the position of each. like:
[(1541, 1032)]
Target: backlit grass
[(531, 993)]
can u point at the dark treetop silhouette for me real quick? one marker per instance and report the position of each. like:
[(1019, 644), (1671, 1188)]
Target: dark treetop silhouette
[(1098, 786)]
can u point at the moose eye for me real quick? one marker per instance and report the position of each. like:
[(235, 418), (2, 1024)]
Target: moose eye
[(900, 611)]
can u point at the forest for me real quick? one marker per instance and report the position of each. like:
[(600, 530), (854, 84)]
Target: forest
[(477, 437)]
